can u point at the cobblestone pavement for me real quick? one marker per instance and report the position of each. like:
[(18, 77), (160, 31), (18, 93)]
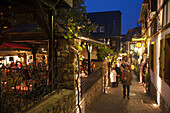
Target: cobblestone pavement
[(113, 102)]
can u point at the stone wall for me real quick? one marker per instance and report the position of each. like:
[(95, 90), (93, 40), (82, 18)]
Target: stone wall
[(105, 75), (98, 88), (64, 102), (92, 95), (65, 60), (98, 65)]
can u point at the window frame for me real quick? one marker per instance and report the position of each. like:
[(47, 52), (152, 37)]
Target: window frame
[(95, 30), (102, 29), (166, 76), (152, 57)]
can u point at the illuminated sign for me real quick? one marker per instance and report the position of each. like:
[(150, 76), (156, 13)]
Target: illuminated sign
[(123, 54), (138, 39)]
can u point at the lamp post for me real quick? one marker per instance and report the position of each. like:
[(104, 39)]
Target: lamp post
[(89, 49)]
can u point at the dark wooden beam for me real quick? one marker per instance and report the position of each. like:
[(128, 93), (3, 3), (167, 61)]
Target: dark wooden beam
[(2, 25), (22, 36), (19, 10), (41, 19)]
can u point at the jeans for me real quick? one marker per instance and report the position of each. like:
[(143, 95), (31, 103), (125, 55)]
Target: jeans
[(124, 90), (113, 84), (117, 81)]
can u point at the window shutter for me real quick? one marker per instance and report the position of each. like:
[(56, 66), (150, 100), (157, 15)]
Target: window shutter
[(153, 5)]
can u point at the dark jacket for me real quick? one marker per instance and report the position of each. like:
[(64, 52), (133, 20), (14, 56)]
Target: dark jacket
[(129, 77), (118, 70)]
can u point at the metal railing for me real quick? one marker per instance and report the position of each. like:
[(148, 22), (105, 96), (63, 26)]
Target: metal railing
[(22, 88)]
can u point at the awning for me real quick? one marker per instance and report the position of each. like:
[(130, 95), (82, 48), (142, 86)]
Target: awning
[(91, 40), (13, 46)]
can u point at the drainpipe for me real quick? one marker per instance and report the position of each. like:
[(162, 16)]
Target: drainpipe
[(89, 49)]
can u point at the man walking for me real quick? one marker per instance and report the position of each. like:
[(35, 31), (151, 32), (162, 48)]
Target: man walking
[(126, 81)]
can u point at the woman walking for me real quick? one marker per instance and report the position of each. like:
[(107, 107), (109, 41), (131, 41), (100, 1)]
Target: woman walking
[(113, 75)]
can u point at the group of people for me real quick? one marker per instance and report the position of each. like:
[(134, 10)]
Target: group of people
[(123, 74)]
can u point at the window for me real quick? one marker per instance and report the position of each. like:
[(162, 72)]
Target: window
[(167, 60), (132, 46), (167, 12), (152, 57), (114, 43), (146, 23), (153, 5), (162, 58), (102, 29), (95, 30), (154, 27)]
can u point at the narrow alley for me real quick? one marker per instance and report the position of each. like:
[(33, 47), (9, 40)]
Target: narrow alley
[(113, 101)]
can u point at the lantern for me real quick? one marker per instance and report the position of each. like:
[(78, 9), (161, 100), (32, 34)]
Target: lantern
[(138, 44)]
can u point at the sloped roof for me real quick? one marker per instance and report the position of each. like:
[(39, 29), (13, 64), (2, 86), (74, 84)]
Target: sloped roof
[(142, 12), (133, 33), (111, 20)]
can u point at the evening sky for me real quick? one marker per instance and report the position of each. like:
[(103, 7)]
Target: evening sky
[(130, 10)]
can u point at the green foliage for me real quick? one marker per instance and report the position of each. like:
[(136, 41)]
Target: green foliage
[(75, 22), (65, 37), (83, 46), (105, 52), (147, 76), (79, 48), (75, 19)]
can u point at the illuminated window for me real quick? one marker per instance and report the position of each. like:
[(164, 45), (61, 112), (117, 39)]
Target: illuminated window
[(162, 58), (132, 46), (95, 30), (102, 29)]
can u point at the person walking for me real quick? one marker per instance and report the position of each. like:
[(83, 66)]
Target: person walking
[(117, 69), (126, 81), (113, 75)]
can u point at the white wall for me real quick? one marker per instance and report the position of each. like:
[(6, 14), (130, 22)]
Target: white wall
[(159, 84)]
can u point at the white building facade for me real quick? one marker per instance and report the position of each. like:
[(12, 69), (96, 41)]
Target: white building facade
[(155, 22)]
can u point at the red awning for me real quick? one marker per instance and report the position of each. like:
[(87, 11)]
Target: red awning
[(12, 45)]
